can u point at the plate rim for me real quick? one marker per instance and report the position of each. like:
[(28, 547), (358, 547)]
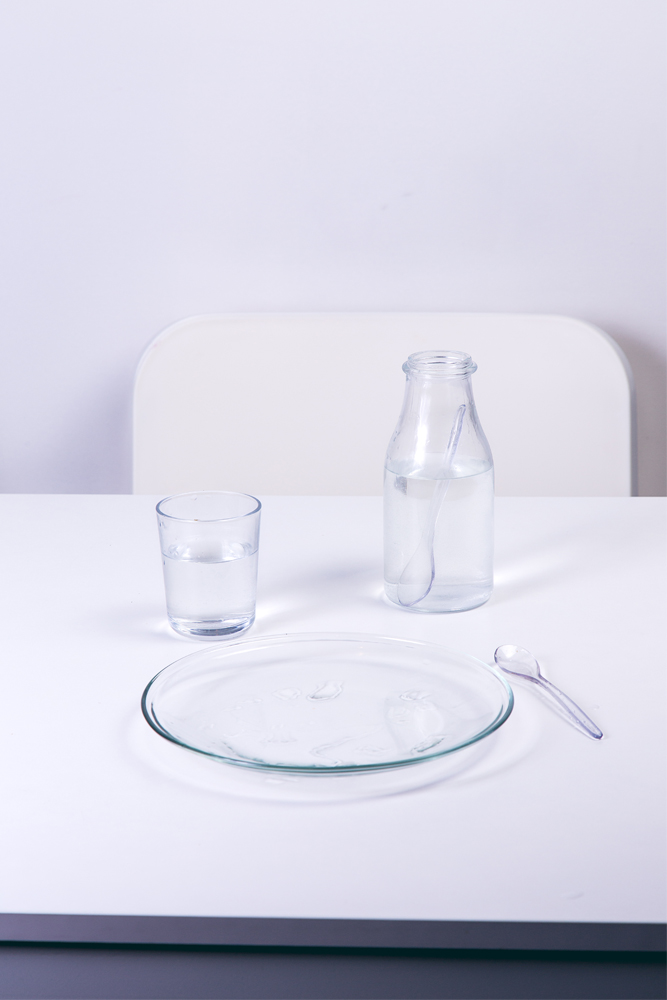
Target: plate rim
[(283, 638)]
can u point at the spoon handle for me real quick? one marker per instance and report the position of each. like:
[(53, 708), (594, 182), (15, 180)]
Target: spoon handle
[(419, 574), (576, 715)]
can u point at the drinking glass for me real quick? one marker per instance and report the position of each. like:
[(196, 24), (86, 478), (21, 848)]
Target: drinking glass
[(209, 545)]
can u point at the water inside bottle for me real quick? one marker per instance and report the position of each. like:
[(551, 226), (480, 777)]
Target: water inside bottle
[(462, 539)]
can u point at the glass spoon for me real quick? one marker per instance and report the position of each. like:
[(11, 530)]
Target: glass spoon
[(522, 663), (418, 576)]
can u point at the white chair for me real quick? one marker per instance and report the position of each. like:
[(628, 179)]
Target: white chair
[(306, 403)]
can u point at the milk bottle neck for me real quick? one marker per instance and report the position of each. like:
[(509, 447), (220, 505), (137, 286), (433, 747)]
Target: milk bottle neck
[(437, 396), (438, 385)]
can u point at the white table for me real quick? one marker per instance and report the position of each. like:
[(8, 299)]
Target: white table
[(548, 829)]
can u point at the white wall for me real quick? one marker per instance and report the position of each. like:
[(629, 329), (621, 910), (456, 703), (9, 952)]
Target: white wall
[(170, 157)]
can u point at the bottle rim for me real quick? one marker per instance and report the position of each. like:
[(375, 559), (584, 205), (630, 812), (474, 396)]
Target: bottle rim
[(440, 364)]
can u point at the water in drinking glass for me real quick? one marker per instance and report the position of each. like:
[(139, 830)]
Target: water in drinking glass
[(210, 586)]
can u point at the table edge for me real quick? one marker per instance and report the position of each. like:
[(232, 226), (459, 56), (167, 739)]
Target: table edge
[(286, 932)]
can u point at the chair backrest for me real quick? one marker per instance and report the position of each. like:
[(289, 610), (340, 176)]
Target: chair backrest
[(306, 403)]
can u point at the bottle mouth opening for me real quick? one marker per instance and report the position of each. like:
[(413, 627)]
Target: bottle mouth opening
[(440, 364)]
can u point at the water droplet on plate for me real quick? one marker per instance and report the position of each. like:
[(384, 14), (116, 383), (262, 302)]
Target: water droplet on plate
[(279, 737), (326, 692), (414, 695), (324, 752), (287, 694), (427, 744)]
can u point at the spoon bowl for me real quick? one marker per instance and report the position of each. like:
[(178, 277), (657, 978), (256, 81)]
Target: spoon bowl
[(517, 660)]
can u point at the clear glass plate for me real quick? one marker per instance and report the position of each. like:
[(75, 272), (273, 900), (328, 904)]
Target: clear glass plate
[(323, 703)]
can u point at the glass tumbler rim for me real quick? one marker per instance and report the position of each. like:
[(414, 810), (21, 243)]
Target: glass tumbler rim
[(207, 520)]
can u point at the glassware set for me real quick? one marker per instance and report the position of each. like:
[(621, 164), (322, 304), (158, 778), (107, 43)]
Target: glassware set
[(325, 703)]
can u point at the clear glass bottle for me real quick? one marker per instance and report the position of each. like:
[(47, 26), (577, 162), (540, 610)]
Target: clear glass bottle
[(438, 491)]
